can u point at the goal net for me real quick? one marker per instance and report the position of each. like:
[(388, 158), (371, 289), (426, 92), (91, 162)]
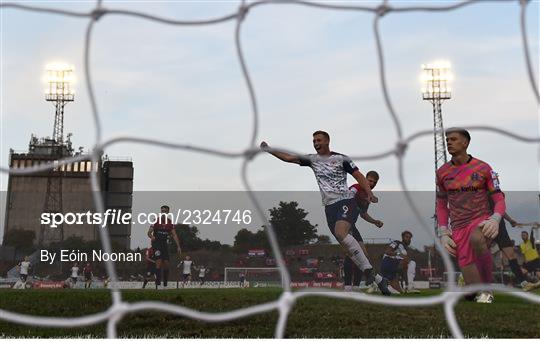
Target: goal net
[(253, 277), (121, 308)]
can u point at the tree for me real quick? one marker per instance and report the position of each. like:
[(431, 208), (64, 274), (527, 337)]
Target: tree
[(190, 240), (323, 239), (21, 240), (245, 240), (290, 225), (213, 245)]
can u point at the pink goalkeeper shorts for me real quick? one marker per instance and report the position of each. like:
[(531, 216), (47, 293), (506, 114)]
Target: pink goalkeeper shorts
[(464, 250)]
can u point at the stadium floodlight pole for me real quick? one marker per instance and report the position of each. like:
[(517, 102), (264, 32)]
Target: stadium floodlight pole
[(59, 78), (436, 78)]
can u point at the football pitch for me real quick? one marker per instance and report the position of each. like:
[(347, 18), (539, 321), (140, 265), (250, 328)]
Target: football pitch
[(312, 317)]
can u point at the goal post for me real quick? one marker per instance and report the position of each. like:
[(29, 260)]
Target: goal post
[(256, 277)]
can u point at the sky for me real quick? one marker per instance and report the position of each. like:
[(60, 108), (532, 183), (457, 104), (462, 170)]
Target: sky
[(311, 69)]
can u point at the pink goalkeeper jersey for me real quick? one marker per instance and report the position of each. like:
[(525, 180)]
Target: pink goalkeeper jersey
[(466, 188)]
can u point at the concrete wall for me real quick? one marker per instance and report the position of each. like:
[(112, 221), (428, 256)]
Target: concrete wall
[(26, 199), (118, 187), (27, 193)]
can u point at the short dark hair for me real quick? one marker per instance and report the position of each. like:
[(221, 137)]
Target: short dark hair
[(406, 232), (527, 233), (463, 132), (165, 206), (373, 174), (323, 133)]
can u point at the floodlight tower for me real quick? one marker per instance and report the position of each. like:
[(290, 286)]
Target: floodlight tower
[(436, 79), (59, 80)]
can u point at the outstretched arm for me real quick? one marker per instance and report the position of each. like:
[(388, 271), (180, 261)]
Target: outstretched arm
[(281, 155), (371, 220), (511, 220)]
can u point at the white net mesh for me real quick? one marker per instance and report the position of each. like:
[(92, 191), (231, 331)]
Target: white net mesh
[(284, 304)]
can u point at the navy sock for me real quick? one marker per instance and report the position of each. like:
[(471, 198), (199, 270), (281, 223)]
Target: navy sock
[(158, 277), (516, 270), (347, 271), (165, 277)]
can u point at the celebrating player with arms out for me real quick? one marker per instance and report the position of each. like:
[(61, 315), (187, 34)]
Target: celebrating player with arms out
[(159, 234), (463, 188), (341, 210)]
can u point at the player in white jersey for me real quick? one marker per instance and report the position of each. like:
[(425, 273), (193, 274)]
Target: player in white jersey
[(202, 274), (185, 265), (341, 210), (396, 259), (74, 273), (24, 268)]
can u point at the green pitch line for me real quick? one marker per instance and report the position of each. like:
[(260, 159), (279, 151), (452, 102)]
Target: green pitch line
[(313, 317)]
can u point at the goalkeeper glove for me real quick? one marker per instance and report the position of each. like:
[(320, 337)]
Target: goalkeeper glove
[(447, 241), (490, 226)]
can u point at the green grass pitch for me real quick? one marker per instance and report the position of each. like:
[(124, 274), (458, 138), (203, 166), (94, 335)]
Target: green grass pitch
[(313, 317)]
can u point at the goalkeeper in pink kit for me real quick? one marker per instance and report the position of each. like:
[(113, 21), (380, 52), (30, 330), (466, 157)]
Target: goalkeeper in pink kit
[(464, 186)]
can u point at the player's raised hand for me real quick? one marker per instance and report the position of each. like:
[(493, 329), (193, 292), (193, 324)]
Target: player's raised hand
[(178, 251), (490, 228)]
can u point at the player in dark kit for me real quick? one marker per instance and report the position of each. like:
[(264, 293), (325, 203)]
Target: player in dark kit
[(150, 265), (159, 234), (507, 247), (395, 259), (87, 272), (353, 274)]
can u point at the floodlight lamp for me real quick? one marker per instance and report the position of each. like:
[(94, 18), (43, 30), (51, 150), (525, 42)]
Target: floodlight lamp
[(60, 79), (435, 78)]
